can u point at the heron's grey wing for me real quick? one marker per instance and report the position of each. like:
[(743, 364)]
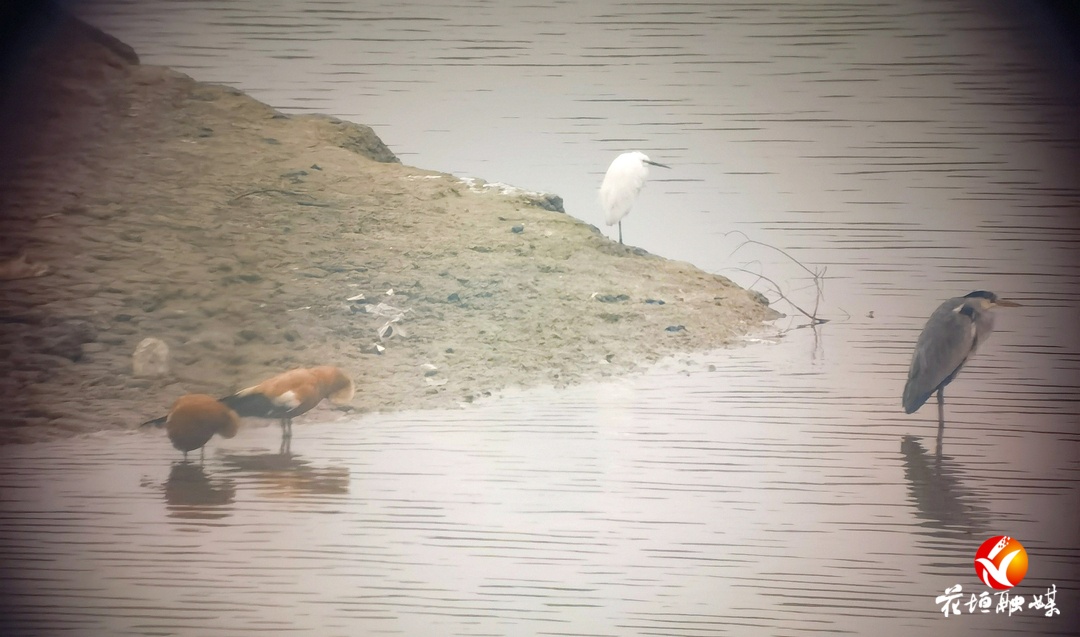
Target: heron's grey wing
[(944, 345)]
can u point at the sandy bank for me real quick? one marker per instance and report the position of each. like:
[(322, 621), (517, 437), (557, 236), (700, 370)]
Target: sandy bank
[(192, 213)]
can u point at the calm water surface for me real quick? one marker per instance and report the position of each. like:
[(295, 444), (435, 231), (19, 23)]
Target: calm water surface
[(917, 150)]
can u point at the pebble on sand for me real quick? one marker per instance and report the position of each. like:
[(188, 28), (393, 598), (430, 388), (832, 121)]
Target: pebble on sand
[(151, 358)]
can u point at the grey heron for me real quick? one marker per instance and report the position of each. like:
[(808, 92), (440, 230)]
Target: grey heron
[(953, 333), (622, 183)]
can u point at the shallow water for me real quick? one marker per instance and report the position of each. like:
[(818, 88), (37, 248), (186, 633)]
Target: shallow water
[(757, 498), (918, 151)]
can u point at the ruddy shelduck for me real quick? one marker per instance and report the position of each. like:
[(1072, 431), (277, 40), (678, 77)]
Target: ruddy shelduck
[(194, 419), (295, 392)]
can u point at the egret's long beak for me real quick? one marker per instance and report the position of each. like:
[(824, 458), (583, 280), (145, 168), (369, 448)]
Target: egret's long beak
[(1006, 303), (656, 164)]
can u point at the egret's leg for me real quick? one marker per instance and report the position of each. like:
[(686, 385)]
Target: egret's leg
[(620, 233), (185, 456), (202, 454)]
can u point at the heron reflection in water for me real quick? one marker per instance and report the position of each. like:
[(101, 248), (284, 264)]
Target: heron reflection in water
[(936, 488), (951, 336)]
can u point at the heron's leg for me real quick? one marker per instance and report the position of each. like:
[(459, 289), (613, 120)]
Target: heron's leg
[(941, 407), (620, 233), (185, 456), (202, 454)]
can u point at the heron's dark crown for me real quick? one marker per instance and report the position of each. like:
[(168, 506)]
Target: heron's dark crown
[(982, 294)]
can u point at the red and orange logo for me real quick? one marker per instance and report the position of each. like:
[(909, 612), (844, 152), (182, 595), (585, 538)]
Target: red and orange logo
[(1001, 562)]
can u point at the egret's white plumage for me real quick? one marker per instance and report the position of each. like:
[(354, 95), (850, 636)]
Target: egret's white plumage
[(622, 183)]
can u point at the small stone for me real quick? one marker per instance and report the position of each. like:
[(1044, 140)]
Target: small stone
[(151, 358), (429, 369), (248, 335), (454, 298), (675, 328), (291, 335), (517, 229), (612, 298), (759, 297), (654, 301)]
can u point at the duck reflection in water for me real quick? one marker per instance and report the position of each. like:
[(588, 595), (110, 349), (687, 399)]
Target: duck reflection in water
[(286, 475), (938, 491), (191, 494)]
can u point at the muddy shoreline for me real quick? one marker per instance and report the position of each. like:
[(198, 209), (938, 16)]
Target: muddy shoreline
[(252, 242)]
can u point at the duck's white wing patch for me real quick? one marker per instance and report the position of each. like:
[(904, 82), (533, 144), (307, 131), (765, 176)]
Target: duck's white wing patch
[(288, 399)]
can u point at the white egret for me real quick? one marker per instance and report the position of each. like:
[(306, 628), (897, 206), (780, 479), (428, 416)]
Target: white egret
[(949, 339), (622, 183)]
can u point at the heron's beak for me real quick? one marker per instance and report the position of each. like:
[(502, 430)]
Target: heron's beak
[(656, 164), (1006, 303)]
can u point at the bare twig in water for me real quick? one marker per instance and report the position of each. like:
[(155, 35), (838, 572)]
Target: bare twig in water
[(776, 288), (771, 247), (817, 274)]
